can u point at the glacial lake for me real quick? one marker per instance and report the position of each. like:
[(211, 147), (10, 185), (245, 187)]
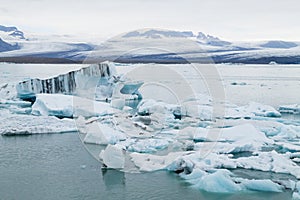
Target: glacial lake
[(57, 166)]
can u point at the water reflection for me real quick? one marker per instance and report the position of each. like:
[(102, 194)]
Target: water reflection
[(113, 178)]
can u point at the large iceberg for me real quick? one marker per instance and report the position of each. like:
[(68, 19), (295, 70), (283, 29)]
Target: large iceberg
[(97, 81), (69, 83)]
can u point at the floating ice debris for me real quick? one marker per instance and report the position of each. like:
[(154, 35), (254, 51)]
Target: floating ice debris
[(150, 162), (113, 157), (202, 112), (69, 106), (261, 185), (148, 145), (14, 124), (8, 91), (98, 133), (218, 182), (250, 110), (271, 162), (296, 194), (150, 106), (291, 109)]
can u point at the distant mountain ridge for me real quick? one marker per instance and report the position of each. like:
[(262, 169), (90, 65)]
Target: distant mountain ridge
[(179, 46), (4, 46), (159, 34), (12, 31)]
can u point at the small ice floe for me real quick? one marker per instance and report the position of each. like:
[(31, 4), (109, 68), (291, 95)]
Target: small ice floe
[(69, 106), (250, 110), (240, 138), (150, 162), (113, 156), (265, 185), (296, 194), (8, 91), (271, 162), (15, 124), (150, 106), (148, 145), (223, 181), (291, 109)]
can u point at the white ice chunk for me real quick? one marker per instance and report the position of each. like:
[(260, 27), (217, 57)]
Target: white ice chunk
[(15, 124), (271, 162), (292, 109), (69, 106), (289, 146), (150, 106), (113, 157), (296, 196), (149, 162), (262, 185), (218, 182), (243, 132), (98, 133), (202, 112), (149, 145), (8, 91), (118, 103), (250, 110)]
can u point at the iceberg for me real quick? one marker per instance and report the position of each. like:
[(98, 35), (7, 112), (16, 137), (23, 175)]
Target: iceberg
[(99, 133), (296, 194), (218, 182), (291, 109), (97, 81), (69, 83), (261, 185), (150, 162), (61, 105), (149, 145), (271, 162), (113, 156), (251, 110)]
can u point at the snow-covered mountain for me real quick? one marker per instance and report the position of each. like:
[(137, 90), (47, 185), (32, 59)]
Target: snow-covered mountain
[(11, 33), (146, 45), (4, 46), (160, 34), (211, 40)]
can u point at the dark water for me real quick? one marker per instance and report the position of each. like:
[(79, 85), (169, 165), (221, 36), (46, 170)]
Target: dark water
[(58, 166)]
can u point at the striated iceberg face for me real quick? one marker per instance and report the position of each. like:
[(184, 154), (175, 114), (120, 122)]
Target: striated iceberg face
[(70, 83)]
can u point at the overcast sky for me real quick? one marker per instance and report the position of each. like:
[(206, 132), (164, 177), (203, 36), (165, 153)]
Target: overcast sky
[(228, 19)]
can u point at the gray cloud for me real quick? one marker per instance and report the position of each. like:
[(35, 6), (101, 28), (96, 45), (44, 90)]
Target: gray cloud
[(229, 19)]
